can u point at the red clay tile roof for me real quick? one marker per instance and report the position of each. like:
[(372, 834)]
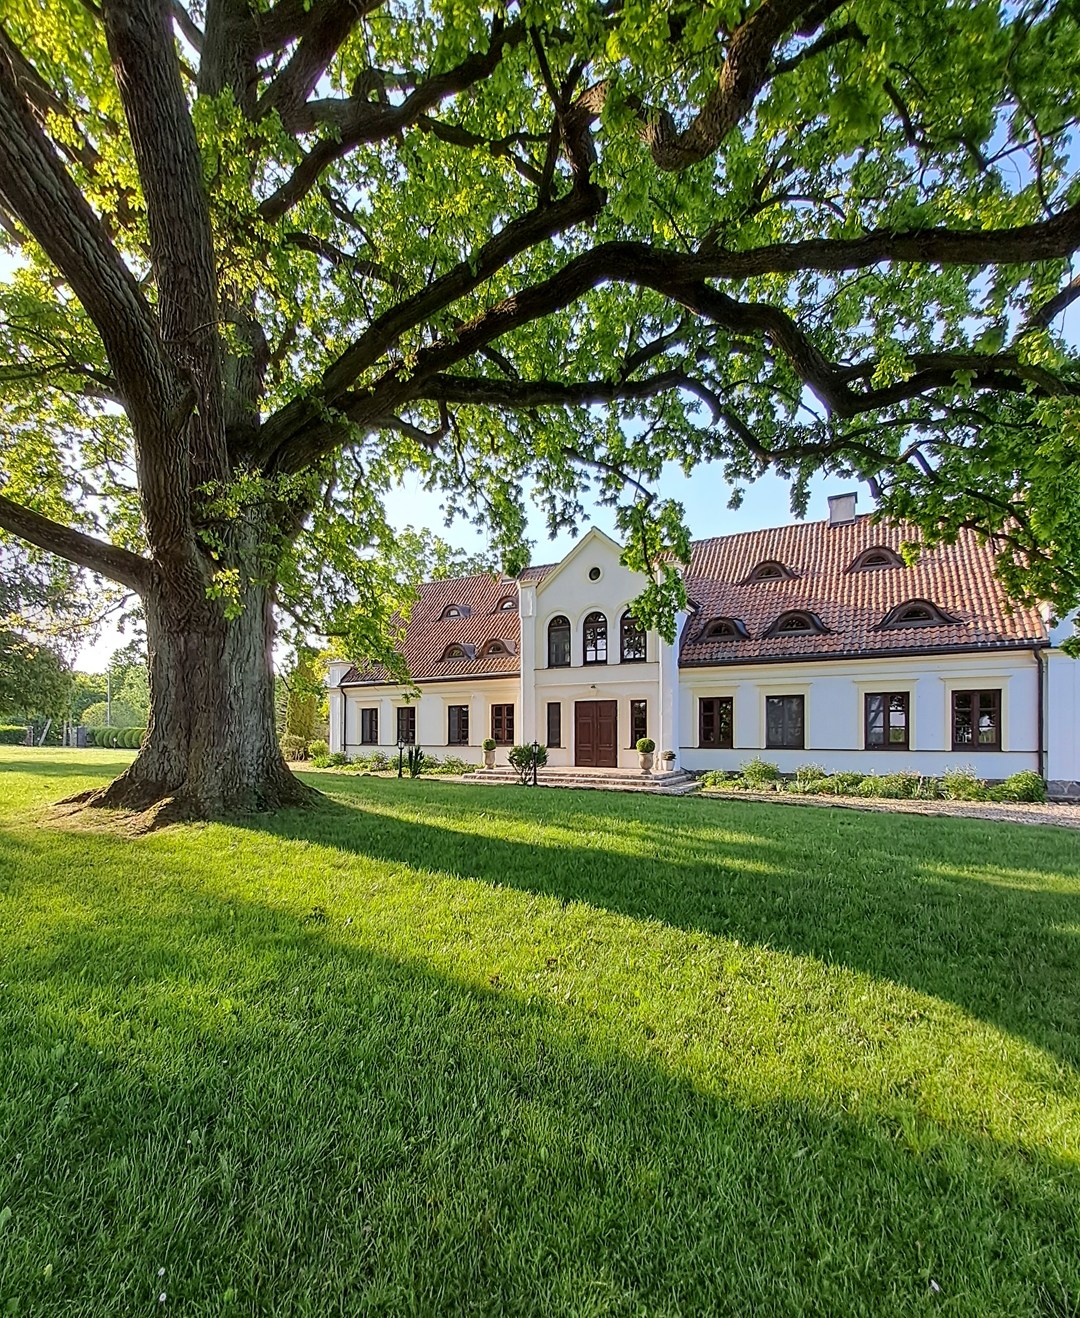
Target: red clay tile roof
[(958, 578), (428, 634), (851, 605)]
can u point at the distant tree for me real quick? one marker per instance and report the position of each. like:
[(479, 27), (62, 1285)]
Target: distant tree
[(35, 682), (272, 255), (115, 714), (86, 689)]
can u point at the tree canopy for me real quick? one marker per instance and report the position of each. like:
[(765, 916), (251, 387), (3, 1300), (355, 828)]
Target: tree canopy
[(269, 257)]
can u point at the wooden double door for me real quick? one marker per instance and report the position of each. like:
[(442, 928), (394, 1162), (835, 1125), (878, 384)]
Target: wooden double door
[(596, 734)]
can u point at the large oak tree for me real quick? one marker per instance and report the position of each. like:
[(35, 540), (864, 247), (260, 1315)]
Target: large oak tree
[(268, 257)]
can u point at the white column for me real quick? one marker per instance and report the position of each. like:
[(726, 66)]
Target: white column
[(667, 724), (527, 721)]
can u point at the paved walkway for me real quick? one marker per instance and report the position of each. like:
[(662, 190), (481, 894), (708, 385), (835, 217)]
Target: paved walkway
[(1010, 812)]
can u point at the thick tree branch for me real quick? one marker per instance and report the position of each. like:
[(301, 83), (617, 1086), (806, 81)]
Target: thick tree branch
[(36, 188), (178, 215), (359, 121), (107, 560)]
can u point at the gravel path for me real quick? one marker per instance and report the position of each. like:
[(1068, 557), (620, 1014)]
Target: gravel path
[(1064, 815)]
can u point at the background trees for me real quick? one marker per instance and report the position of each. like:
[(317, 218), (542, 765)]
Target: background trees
[(268, 259)]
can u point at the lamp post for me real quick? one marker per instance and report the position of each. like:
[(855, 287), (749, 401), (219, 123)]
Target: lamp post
[(535, 760), (400, 753)]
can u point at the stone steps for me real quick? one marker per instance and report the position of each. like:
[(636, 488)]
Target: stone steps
[(607, 780)]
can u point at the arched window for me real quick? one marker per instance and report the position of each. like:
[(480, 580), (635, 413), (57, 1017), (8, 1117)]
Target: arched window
[(456, 611), (631, 640), (595, 637), (454, 652), (508, 604), (796, 624), (877, 556), (496, 647), (770, 570), (559, 642), (724, 629), (917, 613)]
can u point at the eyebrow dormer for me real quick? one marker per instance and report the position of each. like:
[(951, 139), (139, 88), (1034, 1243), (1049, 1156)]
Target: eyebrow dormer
[(916, 613), (877, 556), (724, 629), (797, 622), (770, 570)]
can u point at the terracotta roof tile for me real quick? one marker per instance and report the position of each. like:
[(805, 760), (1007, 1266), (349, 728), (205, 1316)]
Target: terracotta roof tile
[(851, 605), (958, 578), (428, 633)]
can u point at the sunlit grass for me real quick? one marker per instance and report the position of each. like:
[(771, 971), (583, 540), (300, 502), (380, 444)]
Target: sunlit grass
[(440, 1048)]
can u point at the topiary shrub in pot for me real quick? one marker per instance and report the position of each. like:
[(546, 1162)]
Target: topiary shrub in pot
[(488, 745), (645, 748)]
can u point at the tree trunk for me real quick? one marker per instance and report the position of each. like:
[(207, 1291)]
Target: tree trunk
[(211, 749)]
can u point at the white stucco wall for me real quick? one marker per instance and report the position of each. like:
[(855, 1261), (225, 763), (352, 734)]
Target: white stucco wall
[(834, 710), (1063, 717), (569, 591), (431, 715)]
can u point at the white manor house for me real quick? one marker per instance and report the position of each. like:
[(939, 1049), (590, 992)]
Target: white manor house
[(806, 643)]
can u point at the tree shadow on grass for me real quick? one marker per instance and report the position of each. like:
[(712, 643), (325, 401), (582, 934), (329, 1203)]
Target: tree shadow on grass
[(928, 903), (286, 1122)]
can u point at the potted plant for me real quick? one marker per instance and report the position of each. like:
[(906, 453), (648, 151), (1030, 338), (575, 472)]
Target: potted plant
[(489, 752), (668, 758), (645, 748)]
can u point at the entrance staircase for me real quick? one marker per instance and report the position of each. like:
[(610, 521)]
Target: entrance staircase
[(678, 783)]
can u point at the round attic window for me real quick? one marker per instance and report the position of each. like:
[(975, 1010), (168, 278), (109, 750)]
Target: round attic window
[(594, 574)]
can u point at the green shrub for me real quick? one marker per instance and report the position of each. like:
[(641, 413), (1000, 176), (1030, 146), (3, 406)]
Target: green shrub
[(760, 775), (488, 744), (807, 776), (454, 766), (1024, 786), (319, 748), (902, 786), (723, 779), (645, 745), (293, 748), (12, 734), (521, 758), (380, 761), (962, 784), (416, 761), (337, 759), (321, 762), (844, 783)]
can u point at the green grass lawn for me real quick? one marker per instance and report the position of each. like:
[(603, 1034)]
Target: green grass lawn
[(449, 1049)]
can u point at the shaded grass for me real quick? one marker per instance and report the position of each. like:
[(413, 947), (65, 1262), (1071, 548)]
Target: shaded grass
[(438, 1048)]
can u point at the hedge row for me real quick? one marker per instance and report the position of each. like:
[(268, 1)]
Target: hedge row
[(959, 784), (116, 738), (12, 734)]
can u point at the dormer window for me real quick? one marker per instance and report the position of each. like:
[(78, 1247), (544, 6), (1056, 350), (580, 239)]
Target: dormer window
[(508, 604), (724, 629), (456, 611), (877, 556), (917, 613), (770, 570), (796, 624), (456, 651), (496, 647)]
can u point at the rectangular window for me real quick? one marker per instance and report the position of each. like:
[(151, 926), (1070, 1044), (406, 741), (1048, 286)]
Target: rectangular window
[(976, 720), (887, 720), (716, 721), (369, 727), (406, 724), (784, 722), (502, 724), (639, 721), (457, 725), (554, 723)]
